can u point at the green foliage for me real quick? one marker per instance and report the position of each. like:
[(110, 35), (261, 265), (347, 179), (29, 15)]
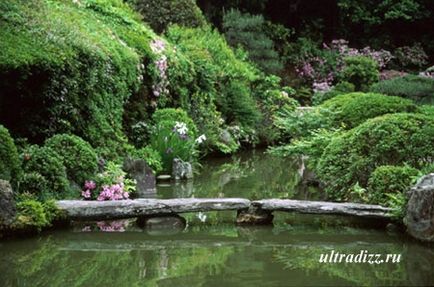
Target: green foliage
[(248, 32), (78, 157), (9, 159), (114, 174), (361, 71), (389, 179), (393, 139), (350, 110), (72, 65), (31, 214), (419, 89), (173, 116), (362, 12), (174, 136), (274, 102), (44, 174), (151, 156), (340, 88), (161, 14), (238, 106), (219, 79)]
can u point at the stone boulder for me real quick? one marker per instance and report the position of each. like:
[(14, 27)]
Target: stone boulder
[(181, 169), (7, 204), (419, 218), (139, 170)]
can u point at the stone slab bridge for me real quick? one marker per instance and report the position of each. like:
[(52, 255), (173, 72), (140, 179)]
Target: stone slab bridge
[(248, 212)]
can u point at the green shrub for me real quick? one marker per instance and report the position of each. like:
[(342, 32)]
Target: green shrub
[(78, 157), (360, 71), (161, 14), (31, 215), (44, 163), (419, 89), (389, 179), (248, 31), (9, 159), (393, 139), (350, 110), (174, 136), (340, 89), (151, 156), (175, 115), (238, 106), (218, 79)]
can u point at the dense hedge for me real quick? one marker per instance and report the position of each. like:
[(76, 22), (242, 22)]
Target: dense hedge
[(389, 180), (353, 109), (392, 139), (44, 174), (419, 89), (9, 160), (69, 67), (78, 157)]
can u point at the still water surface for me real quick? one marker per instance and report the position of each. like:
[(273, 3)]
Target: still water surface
[(211, 250)]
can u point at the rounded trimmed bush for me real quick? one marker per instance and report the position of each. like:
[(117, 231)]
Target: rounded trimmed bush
[(44, 163), (390, 179), (175, 115), (392, 139), (78, 156), (361, 71), (353, 109), (9, 159)]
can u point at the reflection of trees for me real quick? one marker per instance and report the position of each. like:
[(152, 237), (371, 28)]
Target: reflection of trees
[(254, 176), (217, 254), (360, 274), (49, 264)]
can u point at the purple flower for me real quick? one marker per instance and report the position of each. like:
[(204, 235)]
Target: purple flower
[(86, 194), (169, 150), (90, 185)]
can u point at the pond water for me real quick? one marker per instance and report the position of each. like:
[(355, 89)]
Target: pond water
[(212, 251)]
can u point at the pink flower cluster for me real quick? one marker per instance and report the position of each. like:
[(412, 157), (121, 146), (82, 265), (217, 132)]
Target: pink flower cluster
[(89, 185), (318, 71), (112, 226), (161, 87), (382, 57), (113, 192)]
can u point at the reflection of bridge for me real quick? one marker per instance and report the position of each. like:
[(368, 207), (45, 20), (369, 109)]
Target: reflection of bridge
[(259, 211)]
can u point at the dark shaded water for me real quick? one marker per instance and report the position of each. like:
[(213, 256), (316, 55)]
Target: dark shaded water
[(212, 251)]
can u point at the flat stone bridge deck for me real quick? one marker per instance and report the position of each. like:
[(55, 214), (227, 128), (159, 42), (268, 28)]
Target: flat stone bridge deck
[(253, 212)]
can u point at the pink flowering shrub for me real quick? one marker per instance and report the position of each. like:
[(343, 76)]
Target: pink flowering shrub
[(161, 86), (322, 69), (109, 185)]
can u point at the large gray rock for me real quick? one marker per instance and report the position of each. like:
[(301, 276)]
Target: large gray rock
[(181, 169), (144, 176), (7, 204), (419, 218)]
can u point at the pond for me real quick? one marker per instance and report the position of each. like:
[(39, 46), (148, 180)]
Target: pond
[(212, 251)]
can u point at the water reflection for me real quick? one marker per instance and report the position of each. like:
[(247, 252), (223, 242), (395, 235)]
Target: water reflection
[(252, 174), (212, 255)]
